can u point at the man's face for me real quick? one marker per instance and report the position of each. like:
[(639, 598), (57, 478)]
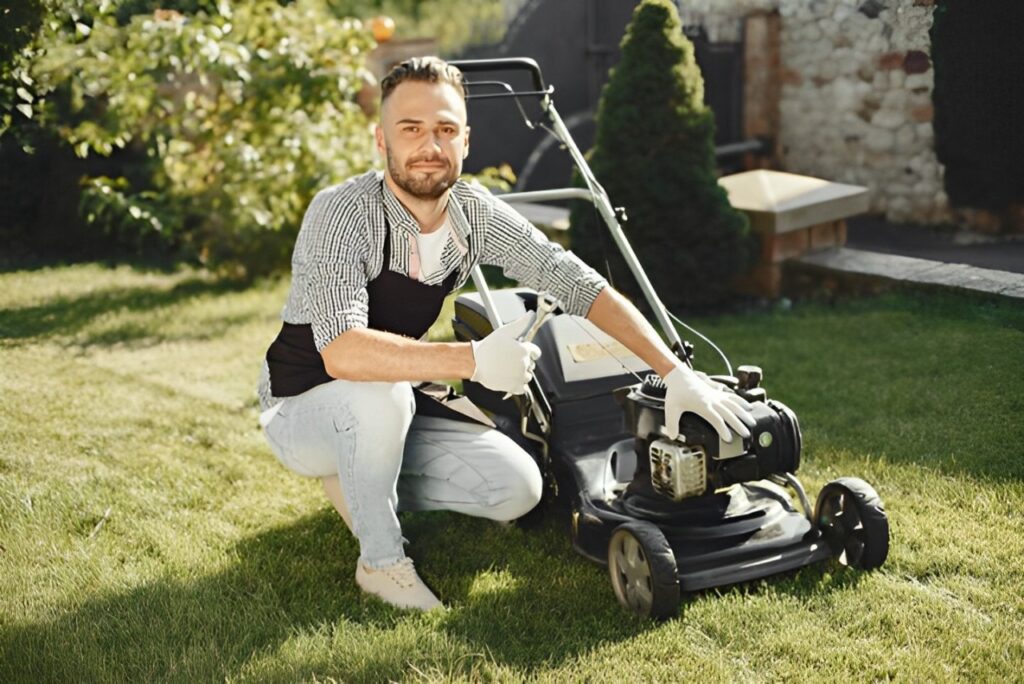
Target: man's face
[(424, 137)]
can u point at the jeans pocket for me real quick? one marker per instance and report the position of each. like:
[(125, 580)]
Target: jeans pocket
[(308, 438), (344, 421)]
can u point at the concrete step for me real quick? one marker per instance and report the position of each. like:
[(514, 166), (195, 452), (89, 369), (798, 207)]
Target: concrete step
[(864, 267)]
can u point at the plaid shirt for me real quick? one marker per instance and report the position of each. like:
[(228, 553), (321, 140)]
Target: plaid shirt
[(340, 248)]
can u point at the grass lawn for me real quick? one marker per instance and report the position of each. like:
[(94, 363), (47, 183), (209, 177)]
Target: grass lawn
[(147, 533)]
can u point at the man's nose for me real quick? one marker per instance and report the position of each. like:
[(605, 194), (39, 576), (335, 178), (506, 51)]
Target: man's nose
[(434, 142)]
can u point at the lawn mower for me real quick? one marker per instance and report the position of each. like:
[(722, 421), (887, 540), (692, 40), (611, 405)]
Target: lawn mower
[(665, 515)]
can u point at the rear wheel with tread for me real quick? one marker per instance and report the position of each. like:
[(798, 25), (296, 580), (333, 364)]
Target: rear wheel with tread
[(852, 519)]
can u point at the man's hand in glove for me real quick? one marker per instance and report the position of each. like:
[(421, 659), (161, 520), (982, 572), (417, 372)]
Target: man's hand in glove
[(503, 362), (687, 390)]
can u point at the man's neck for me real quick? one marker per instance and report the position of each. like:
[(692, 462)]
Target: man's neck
[(429, 213)]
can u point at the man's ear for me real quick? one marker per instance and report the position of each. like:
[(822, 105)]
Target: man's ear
[(378, 134), (465, 147)]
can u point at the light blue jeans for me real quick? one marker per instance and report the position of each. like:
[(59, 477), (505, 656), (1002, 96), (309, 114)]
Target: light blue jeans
[(388, 459)]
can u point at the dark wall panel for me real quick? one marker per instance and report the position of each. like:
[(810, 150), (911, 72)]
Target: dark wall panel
[(576, 42)]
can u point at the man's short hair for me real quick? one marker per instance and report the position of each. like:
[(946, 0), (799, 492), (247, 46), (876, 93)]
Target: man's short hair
[(424, 70)]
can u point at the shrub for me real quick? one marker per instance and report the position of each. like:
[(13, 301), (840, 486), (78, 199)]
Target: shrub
[(40, 200), (654, 153), (245, 114)]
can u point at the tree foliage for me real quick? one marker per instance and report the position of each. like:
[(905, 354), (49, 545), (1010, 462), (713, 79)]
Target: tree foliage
[(654, 154), (21, 20), (244, 111)]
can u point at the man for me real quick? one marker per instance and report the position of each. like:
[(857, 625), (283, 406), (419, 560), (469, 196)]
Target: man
[(372, 263)]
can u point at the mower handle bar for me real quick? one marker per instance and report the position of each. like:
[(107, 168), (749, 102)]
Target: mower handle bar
[(503, 64), (597, 194)]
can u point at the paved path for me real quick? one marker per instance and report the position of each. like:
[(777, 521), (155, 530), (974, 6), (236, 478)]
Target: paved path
[(911, 270), (1001, 253), (899, 253)]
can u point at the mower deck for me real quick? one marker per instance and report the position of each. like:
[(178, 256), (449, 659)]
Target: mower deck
[(746, 532)]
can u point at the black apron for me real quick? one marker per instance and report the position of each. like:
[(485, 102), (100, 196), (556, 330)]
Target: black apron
[(397, 304)]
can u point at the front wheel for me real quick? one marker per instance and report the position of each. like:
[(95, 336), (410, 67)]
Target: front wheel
[(643, 570), (852, 519)]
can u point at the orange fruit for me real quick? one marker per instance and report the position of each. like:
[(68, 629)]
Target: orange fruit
[(383, 28)]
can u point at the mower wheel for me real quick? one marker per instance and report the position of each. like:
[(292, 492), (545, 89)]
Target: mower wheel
[(643, 570), (852, 520)]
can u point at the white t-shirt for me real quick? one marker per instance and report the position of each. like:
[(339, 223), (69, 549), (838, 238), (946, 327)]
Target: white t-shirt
[(430, 247)]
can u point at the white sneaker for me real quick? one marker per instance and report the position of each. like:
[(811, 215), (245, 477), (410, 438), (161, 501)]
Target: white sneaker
[(398, 585)]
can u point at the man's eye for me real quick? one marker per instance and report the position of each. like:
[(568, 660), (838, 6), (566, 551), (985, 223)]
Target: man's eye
[(411, 129)]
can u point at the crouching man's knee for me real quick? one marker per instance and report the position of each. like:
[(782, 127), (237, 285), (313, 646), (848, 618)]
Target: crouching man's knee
[(386, 408), (522, 492)]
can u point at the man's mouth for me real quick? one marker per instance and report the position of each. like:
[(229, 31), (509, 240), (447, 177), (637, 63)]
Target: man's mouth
[(429, 164)]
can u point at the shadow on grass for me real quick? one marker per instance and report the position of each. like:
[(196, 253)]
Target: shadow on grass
[(297, 580), (69, 315), (198, 628), (21, 259)]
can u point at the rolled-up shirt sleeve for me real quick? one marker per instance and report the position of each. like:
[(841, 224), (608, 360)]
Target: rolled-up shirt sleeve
[(527, 256), (336, 247)]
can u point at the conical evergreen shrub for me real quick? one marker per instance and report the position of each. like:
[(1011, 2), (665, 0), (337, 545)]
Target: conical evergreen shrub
[(654, 154)]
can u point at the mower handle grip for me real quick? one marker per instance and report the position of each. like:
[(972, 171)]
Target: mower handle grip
[(503, 64)]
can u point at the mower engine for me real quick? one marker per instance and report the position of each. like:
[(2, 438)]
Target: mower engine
[(698, 463)]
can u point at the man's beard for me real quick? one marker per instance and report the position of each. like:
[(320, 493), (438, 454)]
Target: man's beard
[(425, 186)]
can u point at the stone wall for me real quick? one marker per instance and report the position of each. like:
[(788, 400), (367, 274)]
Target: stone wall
[(855, 99)]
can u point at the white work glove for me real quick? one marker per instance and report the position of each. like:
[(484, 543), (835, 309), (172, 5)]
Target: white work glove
[(686, 390), (503, 362)]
